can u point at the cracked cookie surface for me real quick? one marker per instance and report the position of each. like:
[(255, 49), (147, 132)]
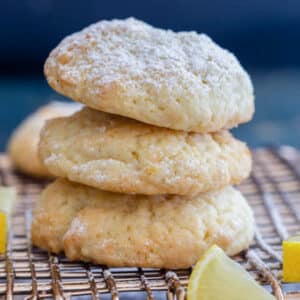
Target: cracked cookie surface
[(181, 80), (118, 154), (138, 230)]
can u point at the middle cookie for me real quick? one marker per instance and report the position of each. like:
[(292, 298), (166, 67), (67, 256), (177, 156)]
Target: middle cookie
[(118, 154)]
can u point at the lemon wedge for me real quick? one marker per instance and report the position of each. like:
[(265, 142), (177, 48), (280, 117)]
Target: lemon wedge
[(8, 198), (291, 259), (3, 231), (217, 277)]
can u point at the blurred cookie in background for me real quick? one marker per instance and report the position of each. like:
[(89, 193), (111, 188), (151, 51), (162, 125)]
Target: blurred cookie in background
[(23, 144)]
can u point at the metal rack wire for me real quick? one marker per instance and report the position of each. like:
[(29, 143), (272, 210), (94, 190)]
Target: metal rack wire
[(273, 190)]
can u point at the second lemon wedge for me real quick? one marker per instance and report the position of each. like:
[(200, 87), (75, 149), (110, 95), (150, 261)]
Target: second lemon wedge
[(291, 259), (3, 231), (217, 277), (8, 198)]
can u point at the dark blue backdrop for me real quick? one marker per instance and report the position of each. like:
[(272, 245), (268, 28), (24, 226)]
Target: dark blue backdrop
[(265, 35)]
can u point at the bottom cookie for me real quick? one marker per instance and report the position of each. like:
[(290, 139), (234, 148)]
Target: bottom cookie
[(137, 230)]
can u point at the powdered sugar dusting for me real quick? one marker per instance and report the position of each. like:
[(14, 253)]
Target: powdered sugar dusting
[(89, 171), (129, 59), (78, 226), (53, 157), (132, 48)]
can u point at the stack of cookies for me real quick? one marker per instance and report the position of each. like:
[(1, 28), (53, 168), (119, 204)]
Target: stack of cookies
[(146, 167)]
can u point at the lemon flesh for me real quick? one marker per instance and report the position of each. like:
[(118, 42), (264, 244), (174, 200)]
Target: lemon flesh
[(291, 259), (294, 238), (8, 198), (217, 277)]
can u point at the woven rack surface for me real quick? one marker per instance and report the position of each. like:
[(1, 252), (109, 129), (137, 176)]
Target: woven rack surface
[(273, 191)]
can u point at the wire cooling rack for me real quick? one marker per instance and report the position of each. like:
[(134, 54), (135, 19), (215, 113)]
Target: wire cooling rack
[(273, 191)]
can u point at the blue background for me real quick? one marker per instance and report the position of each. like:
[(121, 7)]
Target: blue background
[(264, 35)]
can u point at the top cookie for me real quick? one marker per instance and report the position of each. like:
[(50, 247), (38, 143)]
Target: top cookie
[(178, 80)]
